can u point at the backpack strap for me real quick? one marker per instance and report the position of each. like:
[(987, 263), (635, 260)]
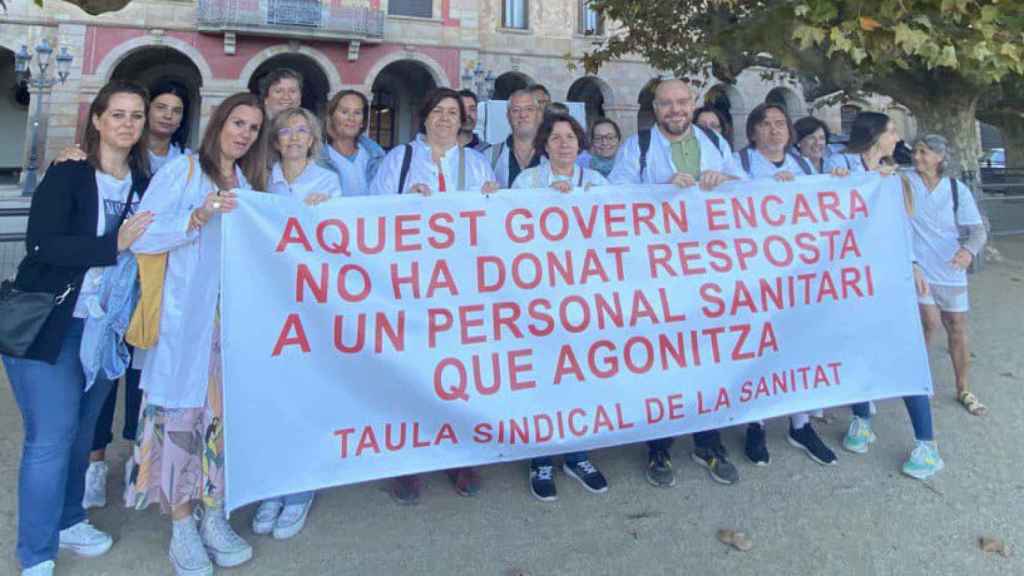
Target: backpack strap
[(406, 163), (496, 150), (644, 140), (745, 160), (956, 195), (802, 162), (712, 135), (582, 170)]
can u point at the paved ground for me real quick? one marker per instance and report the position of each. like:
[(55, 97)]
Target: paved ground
[(860, 518)]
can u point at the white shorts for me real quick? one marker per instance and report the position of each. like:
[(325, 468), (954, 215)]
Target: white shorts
[(947, 298)]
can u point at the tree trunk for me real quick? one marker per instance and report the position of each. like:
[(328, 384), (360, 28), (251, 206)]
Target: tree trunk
[(1012, 129)]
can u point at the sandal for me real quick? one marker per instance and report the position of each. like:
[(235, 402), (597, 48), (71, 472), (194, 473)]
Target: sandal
[(971, 403)]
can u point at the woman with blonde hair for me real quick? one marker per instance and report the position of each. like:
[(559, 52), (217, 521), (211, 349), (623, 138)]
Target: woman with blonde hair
[(295, 145)]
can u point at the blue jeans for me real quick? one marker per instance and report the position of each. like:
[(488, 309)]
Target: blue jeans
[(59, 420), (919, 409), (570, 459), (132, 403)]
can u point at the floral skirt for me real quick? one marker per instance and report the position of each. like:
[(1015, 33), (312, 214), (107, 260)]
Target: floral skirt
[(178, 456)]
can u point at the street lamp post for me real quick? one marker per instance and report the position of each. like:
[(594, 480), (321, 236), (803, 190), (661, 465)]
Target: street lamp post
[(21, 66)]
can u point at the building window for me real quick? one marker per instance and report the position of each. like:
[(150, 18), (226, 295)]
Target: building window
[(590, 22), (416, 8), (847, 114), (514, 14)]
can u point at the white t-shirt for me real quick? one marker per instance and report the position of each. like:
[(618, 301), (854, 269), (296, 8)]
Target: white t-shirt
[(313, 180), (113, 194), (935, 227), (423, 170), (158, 162), (353, 170)]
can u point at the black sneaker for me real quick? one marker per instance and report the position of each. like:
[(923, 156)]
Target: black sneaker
[(659, 469), (807, 440), (756, 446), (716, 460), (588, 475), (542, 483)]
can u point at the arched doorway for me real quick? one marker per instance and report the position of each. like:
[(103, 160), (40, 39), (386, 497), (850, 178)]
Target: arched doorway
[(14, 100), (152, 65), (315, 84), (591, 91), (645, 116), (398, 92), (508, 83)]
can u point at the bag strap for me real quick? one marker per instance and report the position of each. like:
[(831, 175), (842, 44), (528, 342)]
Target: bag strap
[(956, 196), (496, 151), (802, 162), (712, 135), (745, 160), (644, 140), (406, 163), (582, 170), (462, 169)]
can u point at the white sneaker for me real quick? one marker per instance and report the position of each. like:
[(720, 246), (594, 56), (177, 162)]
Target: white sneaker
[(225, 546), (292, 519), (266, 516), (95, 485), (41, 569), (188, 555), (85, 540)]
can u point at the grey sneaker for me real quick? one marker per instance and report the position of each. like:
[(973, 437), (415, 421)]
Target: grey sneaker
[(225, 546), (187, 553), (85, 540), (95, 485), (266, 515), (716, 461), (659, 469), (292, 519)]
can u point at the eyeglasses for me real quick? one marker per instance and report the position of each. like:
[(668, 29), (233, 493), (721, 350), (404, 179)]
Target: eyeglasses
[(606, 138), (288, 131)]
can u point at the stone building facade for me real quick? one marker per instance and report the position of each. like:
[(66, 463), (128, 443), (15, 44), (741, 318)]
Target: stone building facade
[(393, 49)]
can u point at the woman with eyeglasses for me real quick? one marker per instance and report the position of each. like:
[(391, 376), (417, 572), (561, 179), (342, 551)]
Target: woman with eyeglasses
[(295, 143), (605, 137)]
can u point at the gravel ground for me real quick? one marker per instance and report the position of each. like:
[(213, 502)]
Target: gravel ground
[(859, 518)]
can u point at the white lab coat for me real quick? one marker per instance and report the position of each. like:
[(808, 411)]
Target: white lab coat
[(423, 170), (177, 369), (541, 177), (660, 167), (313, 180)]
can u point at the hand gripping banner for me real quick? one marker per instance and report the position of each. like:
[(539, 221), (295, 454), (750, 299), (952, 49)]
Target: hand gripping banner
[(378, 336)]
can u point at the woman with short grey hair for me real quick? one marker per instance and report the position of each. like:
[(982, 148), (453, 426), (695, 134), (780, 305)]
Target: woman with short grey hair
[(942, 207)]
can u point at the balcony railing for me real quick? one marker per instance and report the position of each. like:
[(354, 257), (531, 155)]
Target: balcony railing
[(297, 18)]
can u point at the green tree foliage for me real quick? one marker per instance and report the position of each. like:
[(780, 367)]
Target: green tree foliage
[(937, 57)]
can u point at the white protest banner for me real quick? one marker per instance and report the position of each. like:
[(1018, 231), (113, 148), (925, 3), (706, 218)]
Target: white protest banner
[(374, 337)]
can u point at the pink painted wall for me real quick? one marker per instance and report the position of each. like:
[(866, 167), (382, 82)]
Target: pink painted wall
[(99, 42)]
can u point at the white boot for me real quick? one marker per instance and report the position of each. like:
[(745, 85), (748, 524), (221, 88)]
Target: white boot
[(188, 555), (225, 546)]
